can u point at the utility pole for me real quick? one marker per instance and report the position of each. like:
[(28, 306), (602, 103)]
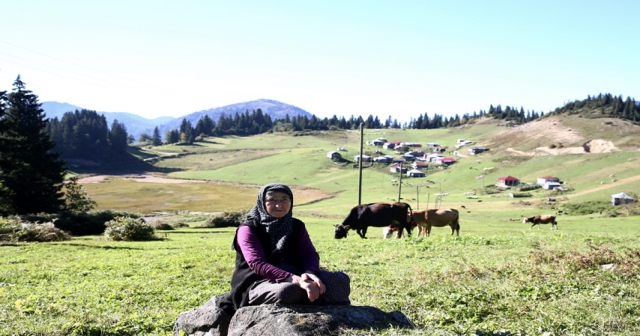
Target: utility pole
[(400, 183), (360, 173)]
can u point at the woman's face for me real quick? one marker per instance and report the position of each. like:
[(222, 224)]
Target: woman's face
[(278, 204)]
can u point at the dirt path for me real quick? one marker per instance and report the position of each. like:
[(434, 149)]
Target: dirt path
[(607, 186), (139, 178)]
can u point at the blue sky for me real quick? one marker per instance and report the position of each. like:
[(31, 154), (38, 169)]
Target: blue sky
[(402, 58)]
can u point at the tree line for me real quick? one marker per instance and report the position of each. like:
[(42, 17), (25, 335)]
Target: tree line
[(85, 135), (256, 122), (604, 105)]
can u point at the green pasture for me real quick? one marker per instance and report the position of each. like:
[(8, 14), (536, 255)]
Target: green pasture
[(497, 277)]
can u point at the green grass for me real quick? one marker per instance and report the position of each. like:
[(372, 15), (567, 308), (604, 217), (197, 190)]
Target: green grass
[(495, 276)]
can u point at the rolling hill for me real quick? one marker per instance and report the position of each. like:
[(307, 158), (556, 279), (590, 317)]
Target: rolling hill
[(594, 157)]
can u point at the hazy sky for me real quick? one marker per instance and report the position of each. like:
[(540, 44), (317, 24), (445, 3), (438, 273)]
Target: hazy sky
[(398, 58)]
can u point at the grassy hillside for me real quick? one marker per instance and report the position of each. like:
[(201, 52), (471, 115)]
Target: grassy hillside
[(497, 278), (301, 161)]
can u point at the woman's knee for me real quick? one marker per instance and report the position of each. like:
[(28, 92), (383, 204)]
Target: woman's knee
[(291, 294)]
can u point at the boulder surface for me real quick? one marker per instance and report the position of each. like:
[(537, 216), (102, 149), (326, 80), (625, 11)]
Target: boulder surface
[(275, 319)]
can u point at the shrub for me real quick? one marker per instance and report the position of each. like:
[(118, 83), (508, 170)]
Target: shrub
[(81, 224), (226, 219), (129, 229), (587, 208), (527, 187), (13, 229), (162, 226)]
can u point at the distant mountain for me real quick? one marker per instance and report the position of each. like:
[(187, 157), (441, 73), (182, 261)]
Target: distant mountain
[(135, 124), (275, 109)]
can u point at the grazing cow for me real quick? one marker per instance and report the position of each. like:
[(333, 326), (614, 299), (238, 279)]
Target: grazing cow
[(425, 219), (376, 214), (537, 220)]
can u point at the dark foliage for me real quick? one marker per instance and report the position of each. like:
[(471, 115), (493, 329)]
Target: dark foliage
[(604, 105), (85, 135), (80, 224), (31, 172)]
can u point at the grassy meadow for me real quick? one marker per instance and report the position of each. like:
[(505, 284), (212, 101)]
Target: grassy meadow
[(498, 278)]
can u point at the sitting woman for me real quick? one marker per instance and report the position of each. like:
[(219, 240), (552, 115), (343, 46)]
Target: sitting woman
[(276, 261)]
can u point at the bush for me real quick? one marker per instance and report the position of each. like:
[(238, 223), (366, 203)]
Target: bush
[(129, 229), (162, 226), (226, 219), (527, 187), (81, 224), (13, 229), (587, 208)]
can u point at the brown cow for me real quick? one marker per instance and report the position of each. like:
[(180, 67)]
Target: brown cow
[(438, 218), (538, 219)]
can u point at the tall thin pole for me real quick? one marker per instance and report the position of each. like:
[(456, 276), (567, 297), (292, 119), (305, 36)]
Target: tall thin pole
[(400, 183), (360, 173)]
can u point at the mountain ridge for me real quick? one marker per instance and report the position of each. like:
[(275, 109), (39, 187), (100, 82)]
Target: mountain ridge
[(137, 125)]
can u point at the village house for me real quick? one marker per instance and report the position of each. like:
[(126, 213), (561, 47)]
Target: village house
[(365, 158), (408, 157), (395, 168), (621, 198), (507, 181), (389, 145), (477, 150), (415, 173), (398, 160), (420, 165), (416, 153), (433, 157), (413, 144), (445, 161), (383, 159), (548, 182)]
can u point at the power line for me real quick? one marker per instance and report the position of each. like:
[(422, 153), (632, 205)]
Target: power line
[(72, 63)]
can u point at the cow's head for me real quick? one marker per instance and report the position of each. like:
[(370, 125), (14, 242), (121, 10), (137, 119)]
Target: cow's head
[(341, 231), (527, 219)]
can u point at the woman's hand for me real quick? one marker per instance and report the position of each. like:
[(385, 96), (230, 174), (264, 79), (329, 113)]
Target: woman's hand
[(314, 289), (309, 276)]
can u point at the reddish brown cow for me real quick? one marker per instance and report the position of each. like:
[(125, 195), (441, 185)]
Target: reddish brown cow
[(538, 219), (425, 219)]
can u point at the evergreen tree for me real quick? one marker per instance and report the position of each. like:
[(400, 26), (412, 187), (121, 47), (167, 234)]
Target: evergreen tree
[(31, 174), (156, 140)]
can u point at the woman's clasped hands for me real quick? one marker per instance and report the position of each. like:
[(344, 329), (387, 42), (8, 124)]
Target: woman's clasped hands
[(311, 284)]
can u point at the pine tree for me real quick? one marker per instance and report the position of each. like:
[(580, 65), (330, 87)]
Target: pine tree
[(156, 140), (31, 175)]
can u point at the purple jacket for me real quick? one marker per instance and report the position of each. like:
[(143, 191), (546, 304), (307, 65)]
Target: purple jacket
[(255, 256)]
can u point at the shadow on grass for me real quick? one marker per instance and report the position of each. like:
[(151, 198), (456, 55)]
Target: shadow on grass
[(187, 232), (107, 247)]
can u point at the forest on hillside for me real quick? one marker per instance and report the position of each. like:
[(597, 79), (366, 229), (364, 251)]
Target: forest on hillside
[(85, 134)]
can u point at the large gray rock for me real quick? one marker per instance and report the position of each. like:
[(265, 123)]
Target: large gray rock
[(306, 320), (275, 319), (208, 320)]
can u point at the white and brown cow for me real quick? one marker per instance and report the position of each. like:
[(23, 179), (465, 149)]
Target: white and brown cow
[(426, 219), (540, 219)]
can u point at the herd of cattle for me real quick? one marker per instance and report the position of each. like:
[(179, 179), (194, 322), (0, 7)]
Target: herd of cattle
[(398, 217)]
